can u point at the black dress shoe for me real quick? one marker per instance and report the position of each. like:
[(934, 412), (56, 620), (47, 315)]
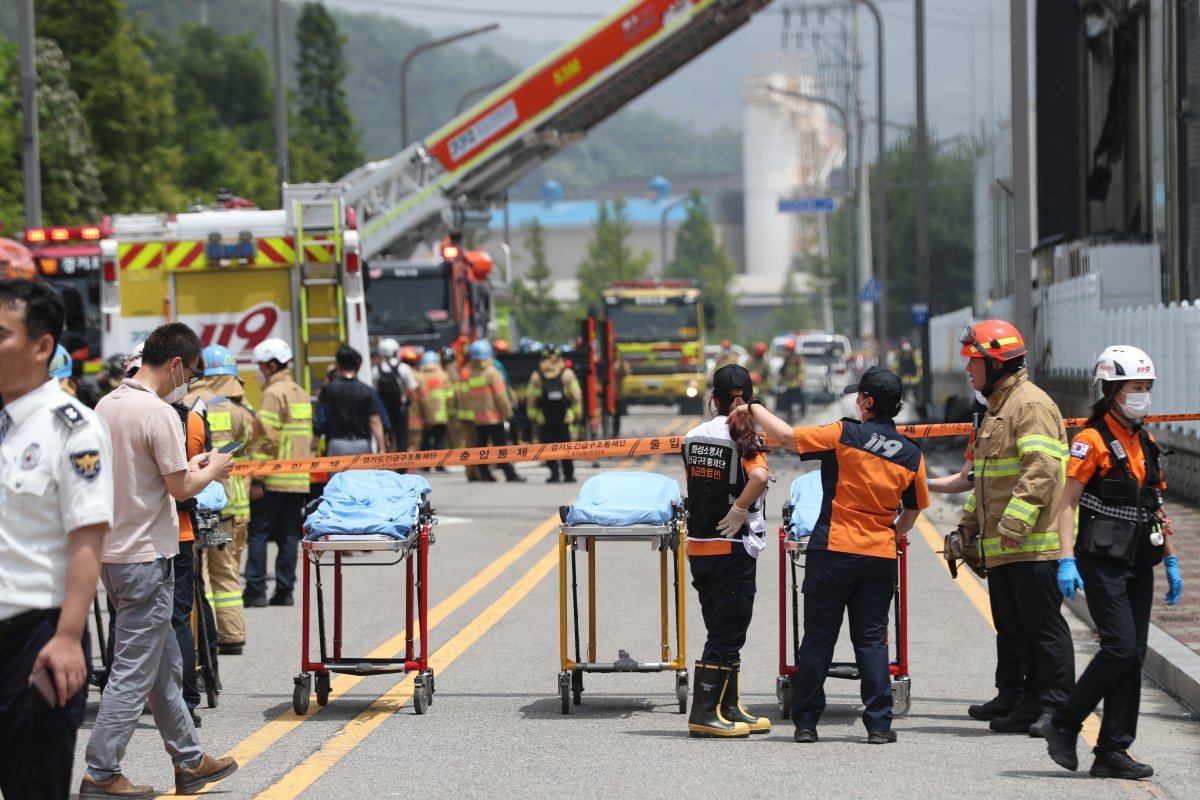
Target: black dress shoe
[(1061, 744), (282, 599), (1118, 764), (881, 737), (999, 706), (254, 600), (805, 736)]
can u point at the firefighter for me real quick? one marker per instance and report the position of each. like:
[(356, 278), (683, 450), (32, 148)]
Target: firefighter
[(282, 429), (465, 415), (221, 398), (726, 468), (433, 395), (410, 361), (908, 364), (759, 367), (60, 370), (1019, 454), (555, 403), (1114, 481), (487, 396), (395, 382), (726, 355), (791, 382)]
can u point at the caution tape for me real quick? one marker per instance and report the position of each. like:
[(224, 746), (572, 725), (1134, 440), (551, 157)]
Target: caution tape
[(599, 448)]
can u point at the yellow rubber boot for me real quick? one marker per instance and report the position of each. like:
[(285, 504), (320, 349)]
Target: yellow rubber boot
[(706, 719), (731, 704)]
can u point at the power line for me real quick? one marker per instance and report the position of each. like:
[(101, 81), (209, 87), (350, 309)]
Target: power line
[(401, 5)]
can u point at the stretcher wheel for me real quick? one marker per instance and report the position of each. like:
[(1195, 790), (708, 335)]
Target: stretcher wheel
[(429, 687), (681, 690), (783, 692), (323, 689), (564, 691), (901, 696), (420, 694), (301, 694), (577, 686)]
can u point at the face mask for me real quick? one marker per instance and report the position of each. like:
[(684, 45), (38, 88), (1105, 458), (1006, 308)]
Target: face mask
[(859, 411), (979, 398), (1136, 405), (176, 394)]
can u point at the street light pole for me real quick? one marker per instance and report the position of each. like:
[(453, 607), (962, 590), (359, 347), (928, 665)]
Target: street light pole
[(1022, 222), (881, 167), (416, 51), (31, 155)]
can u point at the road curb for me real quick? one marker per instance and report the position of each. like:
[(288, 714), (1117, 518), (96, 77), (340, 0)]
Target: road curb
[(1172, 665)]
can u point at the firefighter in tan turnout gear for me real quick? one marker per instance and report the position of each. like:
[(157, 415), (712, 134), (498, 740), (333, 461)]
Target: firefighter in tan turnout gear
[(487, 398)]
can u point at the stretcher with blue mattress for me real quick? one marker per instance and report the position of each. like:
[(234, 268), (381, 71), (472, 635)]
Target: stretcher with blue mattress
[(800, 517), (628, 507), (387, 518)]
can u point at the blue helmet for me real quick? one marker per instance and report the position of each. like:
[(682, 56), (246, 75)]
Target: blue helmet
[(60, 364), (219, 361), (480, 350), (430, 358)]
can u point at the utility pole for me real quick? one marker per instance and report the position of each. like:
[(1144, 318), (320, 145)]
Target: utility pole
[(31, 154), (1022, 260), (881, 167), (281, 127), (922, 170)]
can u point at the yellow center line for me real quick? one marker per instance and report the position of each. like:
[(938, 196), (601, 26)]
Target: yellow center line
[(354, 732)]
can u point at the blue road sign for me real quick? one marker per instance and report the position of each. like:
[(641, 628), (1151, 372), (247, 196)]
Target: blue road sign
[(870, 291), (920, 314), (807, 205)]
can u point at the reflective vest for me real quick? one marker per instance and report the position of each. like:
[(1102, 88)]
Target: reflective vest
[(283, 430)]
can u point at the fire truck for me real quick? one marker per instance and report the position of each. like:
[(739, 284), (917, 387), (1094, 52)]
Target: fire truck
[(239, 277), (68, 256), (659, 329)]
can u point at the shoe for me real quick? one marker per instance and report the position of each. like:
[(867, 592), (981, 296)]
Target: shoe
[(731, 703), (254, 600), (805, 736), (999, 706), (706, 719), (881, 737), (1118, 764), (554, 479), (515, 478), (1017, 722), (195, 717), (230, 648), (1038, 729), (569, 480), (488, 479), (439, 469), (116, 786), (1061, 744), (189, 781), (282, 599)]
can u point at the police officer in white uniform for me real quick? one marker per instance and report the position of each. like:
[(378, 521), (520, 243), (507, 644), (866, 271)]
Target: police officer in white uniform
[(56, 504)]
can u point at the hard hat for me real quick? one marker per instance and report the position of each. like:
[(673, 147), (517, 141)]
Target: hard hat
[(449, 356), (724, 344), (502, 345), (551, 351), (1123, 363), (430, 358), (760, 348), (789, 344), (993, 338), (272, 350), (388, 348), (409, 355), (219, 361), (60, 364), (480, 350)]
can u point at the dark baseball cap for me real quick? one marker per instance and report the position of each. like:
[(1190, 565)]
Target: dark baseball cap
[(730, 377), (881, 384)]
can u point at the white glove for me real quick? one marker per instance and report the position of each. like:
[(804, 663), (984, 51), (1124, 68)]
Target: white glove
[(733, 521)]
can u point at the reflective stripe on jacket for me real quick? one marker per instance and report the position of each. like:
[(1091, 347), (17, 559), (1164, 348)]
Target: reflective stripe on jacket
[(487, 394), (283, 430)]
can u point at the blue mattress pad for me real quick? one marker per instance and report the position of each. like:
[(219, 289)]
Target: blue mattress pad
[(620, 499), (368, 501)]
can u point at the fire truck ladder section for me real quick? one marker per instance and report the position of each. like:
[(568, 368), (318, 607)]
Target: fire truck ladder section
[(433, 186), (318, 285)]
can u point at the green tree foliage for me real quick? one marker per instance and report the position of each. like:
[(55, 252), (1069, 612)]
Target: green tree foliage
[(325, 119), (12, 215), (793, 311), (609, 256), (699, 257), (538, 314)]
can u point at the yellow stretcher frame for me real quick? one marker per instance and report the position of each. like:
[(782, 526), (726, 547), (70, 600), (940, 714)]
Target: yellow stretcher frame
[(671, 537)]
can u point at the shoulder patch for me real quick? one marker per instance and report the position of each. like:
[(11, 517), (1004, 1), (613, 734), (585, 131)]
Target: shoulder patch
[(71, 415), (86, 464), (1080, 449)]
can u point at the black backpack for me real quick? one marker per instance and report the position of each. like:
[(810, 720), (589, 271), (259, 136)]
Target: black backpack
[(553, 402), (391, 392)]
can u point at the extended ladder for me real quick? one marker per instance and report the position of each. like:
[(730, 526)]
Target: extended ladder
[(321, 324)]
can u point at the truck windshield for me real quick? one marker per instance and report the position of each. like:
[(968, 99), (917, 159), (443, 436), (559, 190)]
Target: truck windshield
[(407, 305), (667, 322)]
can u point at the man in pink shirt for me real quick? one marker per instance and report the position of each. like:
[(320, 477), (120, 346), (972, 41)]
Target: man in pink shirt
[(150, 472)]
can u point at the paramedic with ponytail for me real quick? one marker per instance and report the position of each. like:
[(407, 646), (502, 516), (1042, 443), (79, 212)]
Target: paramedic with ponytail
[(869, 472), (726, 468), (1114, 479)]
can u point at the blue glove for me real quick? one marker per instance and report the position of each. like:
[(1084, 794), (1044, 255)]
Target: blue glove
[(1174, 580), (1069, 581)]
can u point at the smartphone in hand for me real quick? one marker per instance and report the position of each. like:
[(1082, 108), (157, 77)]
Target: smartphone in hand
[(232, 448), (44, 684)]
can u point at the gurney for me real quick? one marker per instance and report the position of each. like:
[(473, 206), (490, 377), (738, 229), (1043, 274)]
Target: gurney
[(799, 519), (386, 518), (621, 507)]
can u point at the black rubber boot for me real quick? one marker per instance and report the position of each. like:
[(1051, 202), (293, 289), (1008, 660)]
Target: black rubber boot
[(999, 706), (705, 719), (731, 703)]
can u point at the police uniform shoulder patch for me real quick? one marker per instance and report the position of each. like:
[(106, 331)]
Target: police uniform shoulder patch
[(70, 414), (86, 464)]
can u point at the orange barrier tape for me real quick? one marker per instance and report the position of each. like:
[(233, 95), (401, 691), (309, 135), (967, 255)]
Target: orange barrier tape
[(600, 448)]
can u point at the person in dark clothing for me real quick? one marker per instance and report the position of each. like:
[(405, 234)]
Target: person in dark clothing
[(348, 415)]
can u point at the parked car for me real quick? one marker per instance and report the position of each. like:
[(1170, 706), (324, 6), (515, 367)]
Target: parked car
[(825, 356)]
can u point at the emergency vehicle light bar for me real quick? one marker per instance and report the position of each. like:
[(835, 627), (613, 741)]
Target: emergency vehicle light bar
[(63, 233)]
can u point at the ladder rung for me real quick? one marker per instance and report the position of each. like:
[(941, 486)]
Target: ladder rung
[(320, 281), (321, 359), (323, 320), (324, 337)]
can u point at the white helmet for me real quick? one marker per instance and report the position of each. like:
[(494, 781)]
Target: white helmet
[(1123, 363), (388, 348), (272, 350)]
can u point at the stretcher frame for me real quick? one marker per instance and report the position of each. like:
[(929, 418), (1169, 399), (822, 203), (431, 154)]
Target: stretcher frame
[(791, 551), (316, 674), (670, 537)]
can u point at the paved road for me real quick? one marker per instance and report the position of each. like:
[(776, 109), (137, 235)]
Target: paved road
[(496, 730)]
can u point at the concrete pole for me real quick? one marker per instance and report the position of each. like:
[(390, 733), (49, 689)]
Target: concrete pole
[(881, 168), (31, 153), (922, 175), (281, 124), (1023, 255)]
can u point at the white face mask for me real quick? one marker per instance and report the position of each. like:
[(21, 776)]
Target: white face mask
[(176, 394), (1136, 405), (859, 411), (979, 398)]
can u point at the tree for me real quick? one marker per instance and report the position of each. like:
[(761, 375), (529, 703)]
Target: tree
[(538, 314), (609, 257), (699, 257), (325, 118), (792, 312)]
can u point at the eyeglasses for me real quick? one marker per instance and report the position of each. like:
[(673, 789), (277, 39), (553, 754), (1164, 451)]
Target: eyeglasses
[(195, 374)]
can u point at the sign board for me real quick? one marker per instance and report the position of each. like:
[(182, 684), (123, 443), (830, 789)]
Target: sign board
[(807, 205), (870, 291), (920, 314)]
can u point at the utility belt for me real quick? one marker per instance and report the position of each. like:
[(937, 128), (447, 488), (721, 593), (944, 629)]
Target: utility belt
[(1125, 532)]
